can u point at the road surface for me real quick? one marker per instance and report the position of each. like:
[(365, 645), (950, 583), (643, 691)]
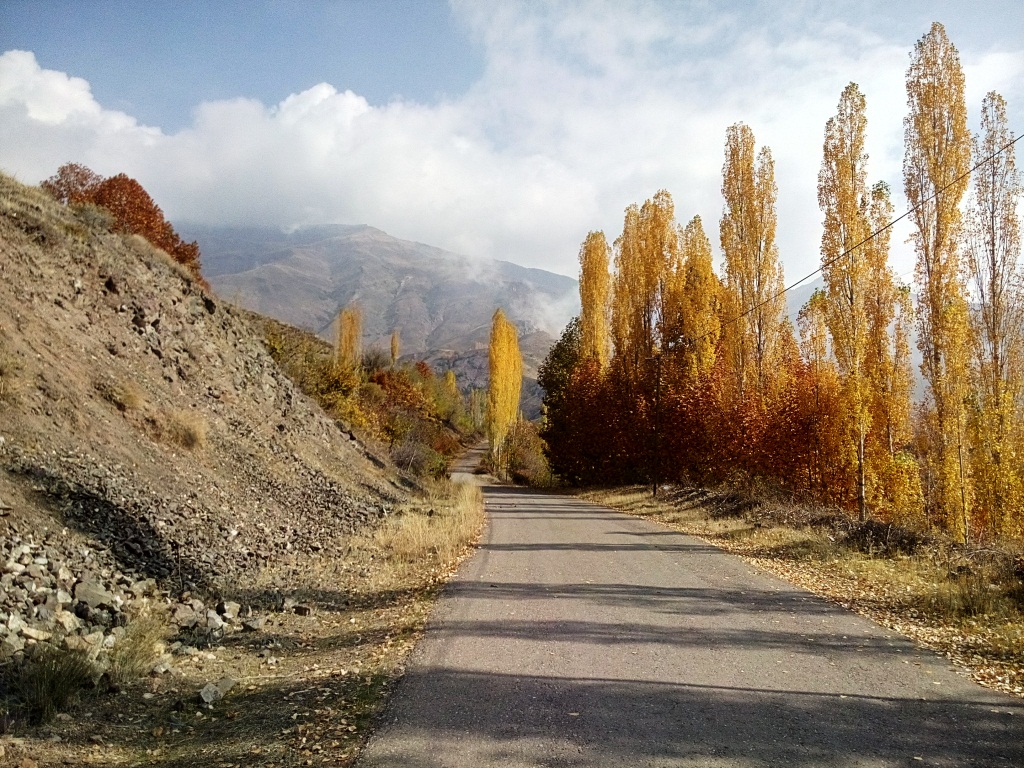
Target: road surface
[(578, 636)]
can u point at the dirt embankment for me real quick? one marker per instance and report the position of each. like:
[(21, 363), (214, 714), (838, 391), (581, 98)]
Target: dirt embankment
[(150, 450)]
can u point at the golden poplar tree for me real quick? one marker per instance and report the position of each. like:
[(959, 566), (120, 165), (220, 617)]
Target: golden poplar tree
[(754, 278), (506, 379), (992, 251), (843, 198), (646, 262), (595, 289), (699, 305), (350, 337), (935, 176), (894, 487), (627, 284), (396, 347)]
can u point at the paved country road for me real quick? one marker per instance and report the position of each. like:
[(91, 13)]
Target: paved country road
[(578, 636)]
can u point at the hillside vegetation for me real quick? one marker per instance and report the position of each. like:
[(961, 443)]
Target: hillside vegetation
[(179, 519)]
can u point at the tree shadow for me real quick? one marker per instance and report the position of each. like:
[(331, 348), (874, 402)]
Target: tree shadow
[(451, 716)]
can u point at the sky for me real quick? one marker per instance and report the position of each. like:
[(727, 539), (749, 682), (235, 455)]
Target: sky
[(504, 130)]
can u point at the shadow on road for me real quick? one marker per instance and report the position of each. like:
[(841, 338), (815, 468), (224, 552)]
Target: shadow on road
[(511, 719)]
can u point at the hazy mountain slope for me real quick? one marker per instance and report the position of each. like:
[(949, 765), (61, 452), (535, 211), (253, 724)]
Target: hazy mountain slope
[(436, 299)]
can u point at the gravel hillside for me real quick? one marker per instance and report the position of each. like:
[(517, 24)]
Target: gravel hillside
[(150, 449)]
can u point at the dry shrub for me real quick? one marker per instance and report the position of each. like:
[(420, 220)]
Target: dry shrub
[(92, 216), (186, 428), (48, 683), (123, 396), (138, 649)]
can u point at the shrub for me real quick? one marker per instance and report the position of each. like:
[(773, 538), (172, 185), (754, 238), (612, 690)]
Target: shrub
[(137, 650), (187, 429), (45, 685)]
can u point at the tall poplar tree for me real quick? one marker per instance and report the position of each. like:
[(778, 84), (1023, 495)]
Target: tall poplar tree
[(699, 305), (843, 198), (894, 480), (935, 176), (647, 259), (992, 250), (506, 379), (350, 336), (595, 289), (753, 272)]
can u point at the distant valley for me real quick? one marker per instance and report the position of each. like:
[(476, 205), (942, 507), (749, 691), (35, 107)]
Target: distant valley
[(441, 303)]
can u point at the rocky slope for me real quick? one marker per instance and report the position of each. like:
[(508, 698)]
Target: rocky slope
[(150, 450)]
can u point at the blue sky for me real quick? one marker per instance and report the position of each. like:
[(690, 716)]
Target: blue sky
[(157, 60), (501, 130)]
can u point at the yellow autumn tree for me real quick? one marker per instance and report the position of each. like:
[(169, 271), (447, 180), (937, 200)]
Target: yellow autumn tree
[(992, 250), (700, 298), (757, 327), (894, 482), (506, 379), (350, 336), (595, 289), (396, 347), (843, 198), (647, 261), (935, 177)]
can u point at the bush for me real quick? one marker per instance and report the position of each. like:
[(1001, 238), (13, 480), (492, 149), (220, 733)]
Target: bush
[(45, 685), (137, 650)]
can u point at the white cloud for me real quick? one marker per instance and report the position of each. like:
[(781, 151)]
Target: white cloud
[(579, 112)]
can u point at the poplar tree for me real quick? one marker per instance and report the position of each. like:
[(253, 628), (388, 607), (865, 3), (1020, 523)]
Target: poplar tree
[(506, 378), (647, 259), (699, 306), (935, 176), (350, 336), (843, 198), (894, 485), (396, 347), (595, 289), (992, 251), (753, 272)]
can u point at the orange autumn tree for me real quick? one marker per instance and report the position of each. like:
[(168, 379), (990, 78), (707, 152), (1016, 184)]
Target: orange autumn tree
[(348, 345), (133, 210), (756, 328)]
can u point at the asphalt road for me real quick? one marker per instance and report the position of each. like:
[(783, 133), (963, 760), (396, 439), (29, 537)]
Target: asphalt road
[(578, 636)]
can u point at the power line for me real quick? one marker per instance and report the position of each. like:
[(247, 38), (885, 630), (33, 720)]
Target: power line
[(870, 237)]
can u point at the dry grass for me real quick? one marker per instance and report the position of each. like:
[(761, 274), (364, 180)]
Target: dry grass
[(138, 648), (187, 429), (125, 396), (441, 531), (966, 604), (45, 685)]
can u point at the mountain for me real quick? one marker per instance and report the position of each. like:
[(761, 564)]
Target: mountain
[(440, 303)]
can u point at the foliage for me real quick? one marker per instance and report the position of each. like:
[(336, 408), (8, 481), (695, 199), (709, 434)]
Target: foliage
[(132, 210), (506, 379), (349, 343), (595, 287), (935, 167), (420, 419)]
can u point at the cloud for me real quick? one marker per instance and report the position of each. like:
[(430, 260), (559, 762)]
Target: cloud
[(581, 110)]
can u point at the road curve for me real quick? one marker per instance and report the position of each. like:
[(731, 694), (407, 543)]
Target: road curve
[(578, 636)]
